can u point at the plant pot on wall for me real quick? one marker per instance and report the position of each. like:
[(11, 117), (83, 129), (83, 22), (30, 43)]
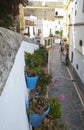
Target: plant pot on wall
[(31, 82), (36, 119), (38, 109)]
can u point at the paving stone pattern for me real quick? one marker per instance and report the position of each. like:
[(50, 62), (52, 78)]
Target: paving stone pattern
[(71, 107)]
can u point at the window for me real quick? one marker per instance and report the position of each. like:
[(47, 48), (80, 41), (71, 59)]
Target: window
[(56, 13), (39, 31), (80, 43), (33, 31), (45, 42), (77, 66), (48, 41), (72, 57), (28, 31), (76, 8)]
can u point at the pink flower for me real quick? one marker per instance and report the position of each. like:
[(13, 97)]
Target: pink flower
[(62, 97), (56, 81)]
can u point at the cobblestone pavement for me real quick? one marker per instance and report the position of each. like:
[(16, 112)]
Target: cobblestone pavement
[(63, 87)]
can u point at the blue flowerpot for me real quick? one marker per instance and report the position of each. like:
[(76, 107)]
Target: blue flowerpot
[(31, 82), (36, 119)]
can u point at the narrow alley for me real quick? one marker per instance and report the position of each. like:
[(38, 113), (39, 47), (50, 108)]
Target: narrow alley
[(71, 106)]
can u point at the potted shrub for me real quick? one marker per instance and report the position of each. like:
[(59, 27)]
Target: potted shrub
[(40, 56), (50, 122), (55, 111), (38, 109), (28, 58), (42, 85), (43, 82), (32, 75), (33, 66)]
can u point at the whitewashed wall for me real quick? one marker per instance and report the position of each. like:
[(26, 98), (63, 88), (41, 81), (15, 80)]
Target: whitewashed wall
[(77, 34), (78, 59), (46, 25), (79, 17), (12, 101), (60, 11)]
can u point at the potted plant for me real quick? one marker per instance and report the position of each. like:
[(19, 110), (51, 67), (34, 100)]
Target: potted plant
[(42, 86), (33, 66), (40, 56), (38, 104), (43, 82), (38, 109), (55, 111), (32, 75), (50, 122), (28, 58)]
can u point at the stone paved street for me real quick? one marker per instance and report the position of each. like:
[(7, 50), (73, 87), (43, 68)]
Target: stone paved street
[(71, 106)]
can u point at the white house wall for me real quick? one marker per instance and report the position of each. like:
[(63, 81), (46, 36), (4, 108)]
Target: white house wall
[(77, 50), (77, 34), (46, 25), (78, 60), (77, 6), (79, 17), (60, 11)]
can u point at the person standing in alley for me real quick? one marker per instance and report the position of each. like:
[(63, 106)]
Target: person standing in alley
[(63, 54), (63, 57), (61, 46)]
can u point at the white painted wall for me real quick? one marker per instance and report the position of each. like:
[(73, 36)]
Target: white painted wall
[(60, 11), (77, 6), (33, 19), (78, 59), (79, 17), (12, 101), (77, 34), (46, 25)]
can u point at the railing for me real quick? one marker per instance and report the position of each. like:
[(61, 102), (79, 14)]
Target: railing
[(48, 41)]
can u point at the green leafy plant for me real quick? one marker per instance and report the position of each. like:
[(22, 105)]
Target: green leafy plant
[(57, 32), (33, 71), (35, 61), (50, 122), (55, 110), (43, 82), (40, 56), (28, 58), (38, 105), (61, 33)]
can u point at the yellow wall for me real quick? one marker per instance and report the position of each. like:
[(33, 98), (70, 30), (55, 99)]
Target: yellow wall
[(21, 17)]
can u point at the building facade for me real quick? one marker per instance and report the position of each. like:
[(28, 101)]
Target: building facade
[(49, 19), (74, 30)]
